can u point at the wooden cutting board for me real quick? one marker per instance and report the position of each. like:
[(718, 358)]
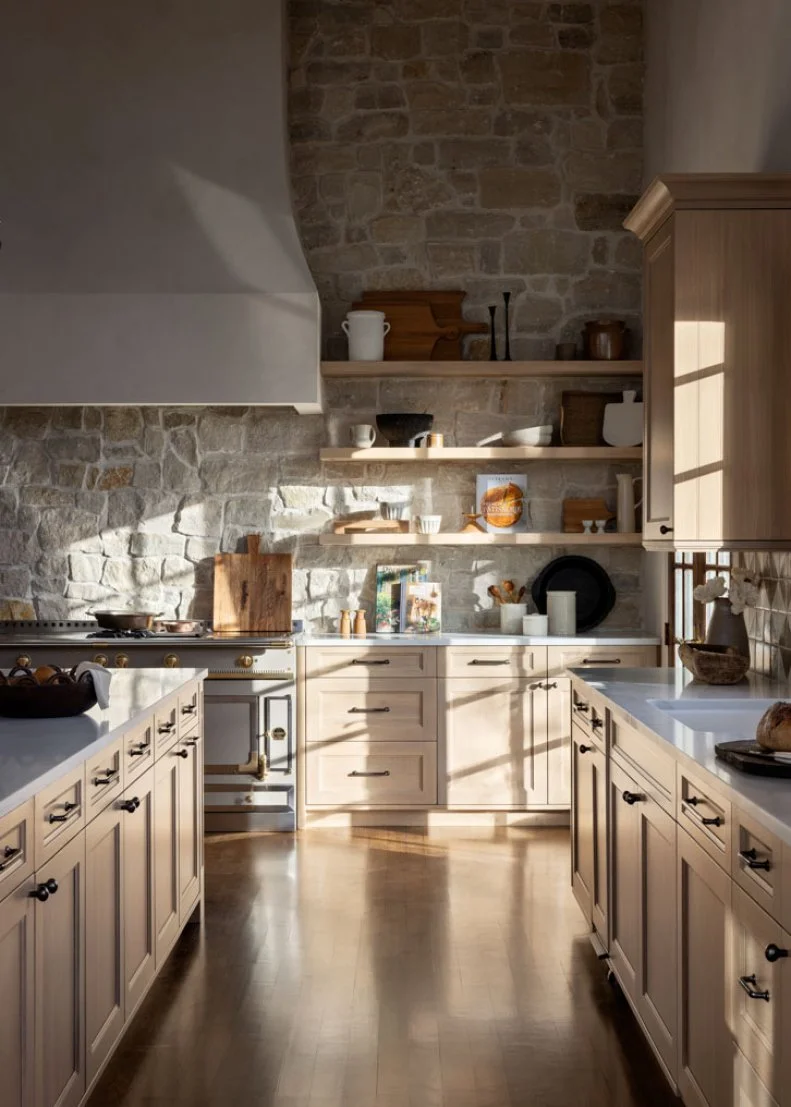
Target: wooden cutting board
[(252, 591), (574, 511)]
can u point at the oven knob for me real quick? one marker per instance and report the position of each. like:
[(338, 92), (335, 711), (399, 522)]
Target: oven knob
[(122, 660), (171, 661), (101, 659), (245, 661), (23, 660)]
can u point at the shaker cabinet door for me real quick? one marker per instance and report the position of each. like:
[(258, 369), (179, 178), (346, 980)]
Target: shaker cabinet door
[(138, 927), (17, 914), (104, 944)]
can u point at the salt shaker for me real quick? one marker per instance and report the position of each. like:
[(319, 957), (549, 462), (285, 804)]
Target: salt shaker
[(346, 624), (359, 624)]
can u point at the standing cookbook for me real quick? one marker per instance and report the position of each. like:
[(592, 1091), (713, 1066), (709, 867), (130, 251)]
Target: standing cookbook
[(389, 580), (421, 607)]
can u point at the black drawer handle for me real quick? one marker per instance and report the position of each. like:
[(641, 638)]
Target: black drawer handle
[(750, 858), (190, 709), (358, 772), (71, 810), (715, 820), (693, 801), (774, 953), (107, 778), (130, 805), (581, 707), (181, 753), (585, 749), (633, 797), (139, 750), (8, 856), (479, 661), (368, 710), (192, 741), (596, 723), (665, 529), (550, 686), (601, 661), (748, 983), (374, 661), (166, 728)]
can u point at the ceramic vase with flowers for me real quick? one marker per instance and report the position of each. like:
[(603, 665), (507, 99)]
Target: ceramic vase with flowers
[(726, 625)]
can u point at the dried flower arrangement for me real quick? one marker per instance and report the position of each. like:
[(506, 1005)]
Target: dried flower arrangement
[(742, 591)]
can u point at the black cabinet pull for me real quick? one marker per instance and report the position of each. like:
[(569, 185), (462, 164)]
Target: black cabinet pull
[(585, 749), (368, 710), (665, 529), (139, 750), (371, 661), (715, 820), (181, 753), (190, 709), (750, 858), (166, 728), (192, 741), (581, 707), (633, 797), (550, 686), (482, 661), (358, 772), (69, 808), (130, 805), (774, 953), (748, 983), (107, 778), (693, 801), (43, 891), (596, 723), (8, 856), (601, 661)]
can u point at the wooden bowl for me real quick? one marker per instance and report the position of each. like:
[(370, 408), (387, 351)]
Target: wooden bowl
[(54, 700), (713, 664)]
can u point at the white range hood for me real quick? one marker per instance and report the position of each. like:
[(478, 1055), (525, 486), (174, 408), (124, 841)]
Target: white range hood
[(149, 249)]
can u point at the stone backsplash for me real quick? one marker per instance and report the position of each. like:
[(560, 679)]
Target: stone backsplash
[(476, 144), (127, 506)]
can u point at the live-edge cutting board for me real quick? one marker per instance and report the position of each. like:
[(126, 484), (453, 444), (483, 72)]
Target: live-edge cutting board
[(252, 591)]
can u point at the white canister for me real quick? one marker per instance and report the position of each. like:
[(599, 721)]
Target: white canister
[(562, 612), (511, 615), (366, 332), (535, 625)]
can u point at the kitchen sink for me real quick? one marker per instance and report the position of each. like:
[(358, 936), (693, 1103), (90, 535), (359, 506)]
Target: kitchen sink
[(734, 716)]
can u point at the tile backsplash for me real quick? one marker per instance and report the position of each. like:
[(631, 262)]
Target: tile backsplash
[(769, 623)]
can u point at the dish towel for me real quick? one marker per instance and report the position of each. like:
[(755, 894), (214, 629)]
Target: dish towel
[(101, 680)]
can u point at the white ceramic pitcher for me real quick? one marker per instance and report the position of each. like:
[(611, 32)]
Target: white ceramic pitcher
[(625, 503), (366, 332)]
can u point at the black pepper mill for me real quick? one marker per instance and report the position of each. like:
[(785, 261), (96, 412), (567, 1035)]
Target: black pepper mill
[(492, 334), (507, 299)]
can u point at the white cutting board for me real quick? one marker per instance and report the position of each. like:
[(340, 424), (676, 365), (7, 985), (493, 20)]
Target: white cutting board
[(623, 423)]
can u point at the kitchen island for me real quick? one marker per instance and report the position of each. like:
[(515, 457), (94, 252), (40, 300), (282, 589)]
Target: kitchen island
[(101, 867), (682, 868)]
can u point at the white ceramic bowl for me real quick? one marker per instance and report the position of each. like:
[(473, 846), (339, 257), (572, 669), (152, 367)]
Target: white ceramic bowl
[(529, 436), (395, 509), (428, 524)]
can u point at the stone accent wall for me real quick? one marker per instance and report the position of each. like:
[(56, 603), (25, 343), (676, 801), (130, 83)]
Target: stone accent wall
[(127, 506), (477, 144), (769, 624)]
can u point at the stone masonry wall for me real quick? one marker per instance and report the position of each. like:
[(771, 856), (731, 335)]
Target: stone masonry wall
[(476, 144), (127, 506)]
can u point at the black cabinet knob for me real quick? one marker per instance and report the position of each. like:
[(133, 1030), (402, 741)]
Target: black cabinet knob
[(40, 893), (596, 723), (585, 749), (130, 805), (774, 953), (182, 753), (633, 797), (665, 530), (51, 886)]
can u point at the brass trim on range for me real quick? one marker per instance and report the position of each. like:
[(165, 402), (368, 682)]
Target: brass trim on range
[(251, 674)]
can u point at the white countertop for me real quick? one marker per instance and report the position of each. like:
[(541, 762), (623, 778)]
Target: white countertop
[(485, 638), (632, 690), (35, 752)]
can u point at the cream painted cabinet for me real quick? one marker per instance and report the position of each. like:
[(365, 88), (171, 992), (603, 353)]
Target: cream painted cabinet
[(717, 341), (104, 944), (705, 1054), (137, 808), (643, 917), (166, 854), (60, 978), (17, 948), (494, 735), (589, 862), (189, 758)]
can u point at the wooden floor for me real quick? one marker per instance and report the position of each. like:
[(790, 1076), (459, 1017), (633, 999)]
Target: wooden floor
[(385, 969)]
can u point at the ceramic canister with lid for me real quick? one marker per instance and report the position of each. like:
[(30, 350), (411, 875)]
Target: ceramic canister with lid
[(562, 612)]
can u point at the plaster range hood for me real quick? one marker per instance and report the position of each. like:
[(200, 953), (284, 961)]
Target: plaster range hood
[(150, 253)]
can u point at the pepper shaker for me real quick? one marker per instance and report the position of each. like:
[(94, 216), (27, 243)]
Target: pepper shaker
[(359, 624), (346, 624)]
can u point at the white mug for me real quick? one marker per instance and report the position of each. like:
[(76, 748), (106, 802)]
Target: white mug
[(366, 332), (362, 435)]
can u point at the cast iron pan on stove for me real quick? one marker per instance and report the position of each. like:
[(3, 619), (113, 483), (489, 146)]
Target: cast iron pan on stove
[(595, 592)]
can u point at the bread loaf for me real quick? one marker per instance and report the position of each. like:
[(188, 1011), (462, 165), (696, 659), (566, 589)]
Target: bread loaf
[(774, 729)]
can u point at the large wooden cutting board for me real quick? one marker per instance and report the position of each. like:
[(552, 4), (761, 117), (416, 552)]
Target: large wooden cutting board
[(252, 591)]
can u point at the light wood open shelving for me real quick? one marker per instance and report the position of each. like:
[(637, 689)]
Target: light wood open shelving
[(497, 370), (482, 453), (528, 538)]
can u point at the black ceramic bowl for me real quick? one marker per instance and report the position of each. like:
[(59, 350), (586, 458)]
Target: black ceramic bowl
[(402, 428)]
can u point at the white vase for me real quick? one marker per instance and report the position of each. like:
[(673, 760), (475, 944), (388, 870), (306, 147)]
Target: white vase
[(626, 507), (366, 332), (511, 615)]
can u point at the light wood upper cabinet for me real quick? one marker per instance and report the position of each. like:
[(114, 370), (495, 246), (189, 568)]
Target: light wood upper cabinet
[(717, 342), (17, 913)]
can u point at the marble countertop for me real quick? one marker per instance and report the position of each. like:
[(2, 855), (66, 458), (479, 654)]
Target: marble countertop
[(35, 752), (633, 692), (486, 638)]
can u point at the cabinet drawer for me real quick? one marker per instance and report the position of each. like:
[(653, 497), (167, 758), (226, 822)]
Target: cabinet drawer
[(757, 862), (637, 753), (16, 847), (166, 726), (561, 658), (138, 750), (350, 662), (488, 662), (189, 708), (104, 778), (60, 813), (381, 773), (372, 711), (705, 813)]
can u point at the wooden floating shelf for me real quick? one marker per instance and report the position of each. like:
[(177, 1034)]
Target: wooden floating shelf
[(483, 370), (483, 453), (529, 538)]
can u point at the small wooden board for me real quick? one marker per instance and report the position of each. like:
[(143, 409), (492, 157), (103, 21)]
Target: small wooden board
[(252, 591), (371, 526), (574, 511)]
